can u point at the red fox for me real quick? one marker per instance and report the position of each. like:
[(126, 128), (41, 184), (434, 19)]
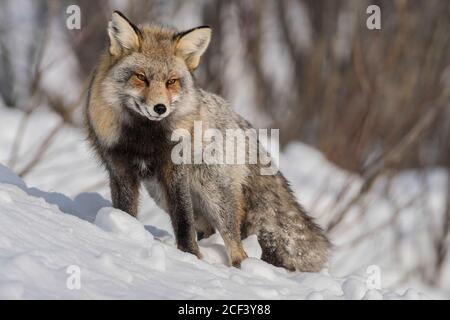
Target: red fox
[(142, 90)]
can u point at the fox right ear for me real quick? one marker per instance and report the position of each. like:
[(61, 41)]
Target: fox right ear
[(123, 35)]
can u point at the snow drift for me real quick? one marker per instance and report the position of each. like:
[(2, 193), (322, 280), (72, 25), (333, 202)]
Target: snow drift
[(48, 239)]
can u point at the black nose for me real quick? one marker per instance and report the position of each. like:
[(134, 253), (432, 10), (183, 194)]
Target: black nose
[(160, 109)]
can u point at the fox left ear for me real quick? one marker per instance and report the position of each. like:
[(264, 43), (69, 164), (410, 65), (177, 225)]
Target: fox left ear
[(191, 44)]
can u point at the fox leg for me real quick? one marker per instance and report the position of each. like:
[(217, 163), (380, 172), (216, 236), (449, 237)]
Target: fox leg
[(234, 249), (181, 211), (124, 191), (237, 252), (224, 213)]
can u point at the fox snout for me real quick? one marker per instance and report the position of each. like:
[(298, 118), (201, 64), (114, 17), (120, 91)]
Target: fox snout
[(155, 112)]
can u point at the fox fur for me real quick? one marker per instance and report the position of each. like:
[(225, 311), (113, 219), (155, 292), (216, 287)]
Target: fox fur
[(141, 91)]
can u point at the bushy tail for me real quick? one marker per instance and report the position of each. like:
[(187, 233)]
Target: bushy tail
[(294, 247), (288, 237)]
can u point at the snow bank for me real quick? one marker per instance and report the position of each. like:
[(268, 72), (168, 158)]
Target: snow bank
[(50, 249)]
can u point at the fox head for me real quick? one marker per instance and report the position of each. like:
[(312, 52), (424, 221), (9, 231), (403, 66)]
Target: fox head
[(151, 67)]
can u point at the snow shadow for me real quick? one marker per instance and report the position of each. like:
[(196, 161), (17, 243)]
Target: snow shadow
[(84, 206)]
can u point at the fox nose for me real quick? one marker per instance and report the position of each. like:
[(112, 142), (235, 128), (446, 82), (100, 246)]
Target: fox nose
[(160, 109)]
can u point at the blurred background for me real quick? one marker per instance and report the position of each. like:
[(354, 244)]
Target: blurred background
[(364, 115)]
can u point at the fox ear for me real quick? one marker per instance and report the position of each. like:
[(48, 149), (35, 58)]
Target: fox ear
[(191, 44), (123, 35)]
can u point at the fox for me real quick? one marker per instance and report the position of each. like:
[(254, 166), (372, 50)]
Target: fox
[(144, 88)]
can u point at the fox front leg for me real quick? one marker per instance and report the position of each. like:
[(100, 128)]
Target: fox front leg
[(181, 213), (124, 191)]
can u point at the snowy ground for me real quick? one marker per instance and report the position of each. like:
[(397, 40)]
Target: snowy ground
[(60, 222), (43, 238)]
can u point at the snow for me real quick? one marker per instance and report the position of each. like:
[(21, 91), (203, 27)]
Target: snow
[(60, 222), (122, 224), (119, 258)]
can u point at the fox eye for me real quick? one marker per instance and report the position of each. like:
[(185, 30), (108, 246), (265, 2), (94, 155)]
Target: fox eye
[(141, 77), (171, 82)]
